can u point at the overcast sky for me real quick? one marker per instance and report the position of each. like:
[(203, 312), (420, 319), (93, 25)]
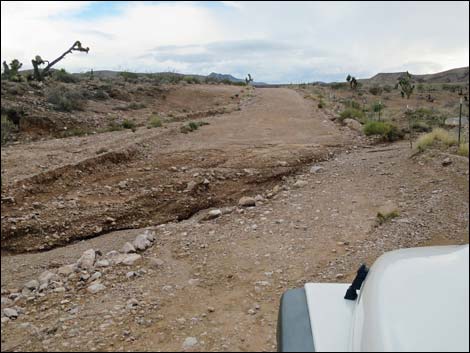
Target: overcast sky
[(274, 41)]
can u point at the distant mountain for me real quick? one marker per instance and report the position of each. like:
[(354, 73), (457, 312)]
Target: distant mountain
[(224, 77), (460, 75)]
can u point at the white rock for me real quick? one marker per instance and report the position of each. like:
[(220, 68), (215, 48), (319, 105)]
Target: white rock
[(32, 285), (127, 248), (131, 259), (190, 342), (316, 169), (141, 242), (246, 201), (66, 270), (10, 313), (95, 288), (150, 235), (102, 263), (95, 276), (353, 124), (46, 277), (300, 183), (213, 214), (87, 260)]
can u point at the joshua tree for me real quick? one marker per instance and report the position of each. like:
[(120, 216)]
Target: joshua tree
[(11, 72), (406, 85), (352, 81), (248, 79), (37, 61)]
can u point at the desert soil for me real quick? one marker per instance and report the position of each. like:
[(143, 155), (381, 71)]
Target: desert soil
[(209, 285)]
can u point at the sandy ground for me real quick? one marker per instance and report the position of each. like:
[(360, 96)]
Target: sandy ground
[(220, 281)]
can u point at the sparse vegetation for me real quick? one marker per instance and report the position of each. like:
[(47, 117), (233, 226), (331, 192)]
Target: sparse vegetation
[(385, 217), (351, 113), (437, 135), (129, 124), (463, 150), (65, 99), (155, 121), (192, 126), (375, 90), (321, 104), (386, 130), (6, 129), (63, 76)]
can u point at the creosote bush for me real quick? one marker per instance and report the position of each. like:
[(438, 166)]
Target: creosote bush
[(351, 113), (65, 99), (155, 121), (389, 132)]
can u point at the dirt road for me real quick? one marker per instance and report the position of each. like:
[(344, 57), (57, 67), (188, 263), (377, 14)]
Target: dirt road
[(214, 285), (68, 189)]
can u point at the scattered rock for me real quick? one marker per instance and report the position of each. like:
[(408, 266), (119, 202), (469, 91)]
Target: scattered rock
[(32, 285), (339, 276), (46, 277), (128, 248), (447, 161), (141, 242), (300, 183), (246, 201), (353, 124), (87, 260), (213, 214), (66, 270), (316, 169), (10, 313), (190, 342), (102, 263), (95, 288), (129, 260)]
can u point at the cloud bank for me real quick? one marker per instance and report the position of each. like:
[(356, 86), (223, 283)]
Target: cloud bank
[(274, 41)]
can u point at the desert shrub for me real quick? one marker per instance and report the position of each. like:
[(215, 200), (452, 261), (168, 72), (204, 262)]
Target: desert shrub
[(463, 149), (351, 113), (375, 90), (192, 126), (6, 129), (63, 76), (129, 124), (101, 94), (430, 117), (321, 104), (420, 126), (351, 103), (389, 132), (437, 135), (65, 99), (191, 80), (385, 217), (113, 126), (387, 88), (155, 121)]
